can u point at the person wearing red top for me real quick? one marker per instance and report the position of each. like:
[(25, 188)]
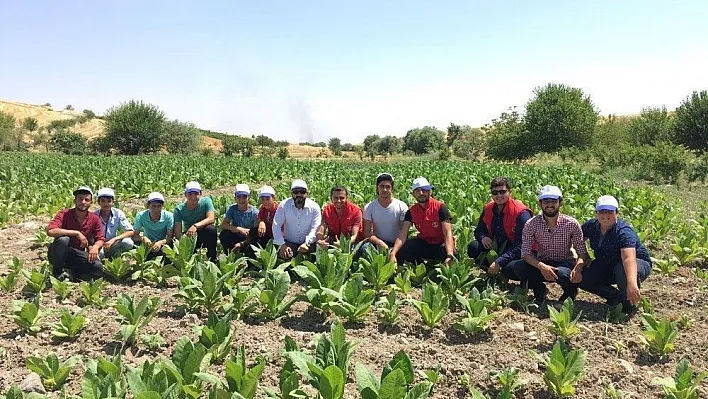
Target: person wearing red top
[(500, 227), (78, 237), (434, 224), (266, 212), (340, 217)]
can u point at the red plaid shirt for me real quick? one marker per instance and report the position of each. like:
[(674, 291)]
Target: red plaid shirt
[(553, 245)]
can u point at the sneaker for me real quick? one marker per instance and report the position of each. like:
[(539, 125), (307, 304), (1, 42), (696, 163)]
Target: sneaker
[(539, 294), (64, 276)]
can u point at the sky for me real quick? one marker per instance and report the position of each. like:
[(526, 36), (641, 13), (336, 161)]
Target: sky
[(313, 70)]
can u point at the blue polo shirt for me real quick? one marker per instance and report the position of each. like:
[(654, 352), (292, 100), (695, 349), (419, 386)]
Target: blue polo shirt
[(154, 231), (239, 218), (607, 248)]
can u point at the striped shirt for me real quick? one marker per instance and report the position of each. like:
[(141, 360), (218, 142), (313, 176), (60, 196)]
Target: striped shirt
[(553, 245)]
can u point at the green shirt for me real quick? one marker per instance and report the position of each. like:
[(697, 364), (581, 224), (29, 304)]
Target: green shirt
[(188, 217), (154, 231)]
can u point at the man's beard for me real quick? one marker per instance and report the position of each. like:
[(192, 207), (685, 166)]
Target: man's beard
[(299, 201), (549, 213), (422, 200)]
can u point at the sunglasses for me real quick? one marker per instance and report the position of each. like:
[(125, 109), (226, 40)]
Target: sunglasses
[(241, 196), (296, 192), (499, 192)]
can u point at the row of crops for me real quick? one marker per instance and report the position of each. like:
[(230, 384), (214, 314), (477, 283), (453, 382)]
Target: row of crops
[(33, 184), (333, 285)]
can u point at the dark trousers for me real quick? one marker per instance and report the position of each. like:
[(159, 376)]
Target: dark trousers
[(62, 256), (229, 238), (206, 238), (598, 279), (475, 249), (416, 250), (154, 254), (534, 280), (294, 247)]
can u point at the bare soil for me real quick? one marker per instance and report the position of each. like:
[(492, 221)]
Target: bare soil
[(614, 353)]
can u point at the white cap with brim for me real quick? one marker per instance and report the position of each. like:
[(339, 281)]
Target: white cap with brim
[(155, 196), (606, 203), (549, 192), (106, 192), (297, 183), (266, 191), (421, 183), (192, 187), (83, 190), (242, 189)]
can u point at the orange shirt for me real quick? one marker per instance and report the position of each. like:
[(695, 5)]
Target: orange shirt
[(342, 224)]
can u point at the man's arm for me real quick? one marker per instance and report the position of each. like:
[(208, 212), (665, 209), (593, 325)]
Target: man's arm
[(514, 250), (481, 230), (209, 219), (401, 239), (278, 222), (449, 238), (314, 224)]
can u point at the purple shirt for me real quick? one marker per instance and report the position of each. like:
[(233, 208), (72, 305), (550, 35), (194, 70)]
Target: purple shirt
[(553, 245)]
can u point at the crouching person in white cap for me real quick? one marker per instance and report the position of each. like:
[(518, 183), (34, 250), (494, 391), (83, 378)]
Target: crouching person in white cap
[(266, 213), (545, 249), (433, 221), (620, 257), (78, 237), (240, 219), (295, 222), (196, 216), (116, 227), (154, 226)]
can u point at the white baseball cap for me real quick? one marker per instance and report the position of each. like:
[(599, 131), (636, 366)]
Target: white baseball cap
[(550, 192), (106, 192), (192, 187), (242, 189), (83, 190), (266, 191), (421, 183), (606, 203), (155, 196), (298, 183)]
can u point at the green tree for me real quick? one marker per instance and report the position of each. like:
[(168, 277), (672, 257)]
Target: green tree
[(360, 152), (335, 144), (237, 145), (68, 142), (371, 145), (347, 147), (691, 122), (424, 140), (283, 152), (469, 144), (135, 127), (454, 132), (264, 141), (7, 130), (30, 124), (41, 138), (181, 137), (69, 107), (611, 131), (389, 145), (560, 116), (89, 114), (507, 137), (652, 126)]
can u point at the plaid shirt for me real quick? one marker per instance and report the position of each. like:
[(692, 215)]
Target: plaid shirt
[(553, 245)]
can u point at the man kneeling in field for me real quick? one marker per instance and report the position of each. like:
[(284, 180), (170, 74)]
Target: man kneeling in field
[(340, 217), (154, 226), (195, 217), (434, 224), (78, 238)]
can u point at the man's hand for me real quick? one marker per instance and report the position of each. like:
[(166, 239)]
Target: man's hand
[(156, 246), (493, 269), (237, 247), (191, 231), (93, 254), (548, 272), (392, 258), (303, 248), (285, 252), (147, 242), (576, 275), (448, 260), (82, 239), (108, 244), (487, 242), (633, 294), (323, 244), (261, 229), (382, 245)]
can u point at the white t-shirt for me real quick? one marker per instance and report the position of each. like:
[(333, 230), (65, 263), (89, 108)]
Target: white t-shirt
[(385, 220)]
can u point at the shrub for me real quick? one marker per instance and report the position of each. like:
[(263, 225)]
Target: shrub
[(424, 140), (691, 122), (652, 126), (68, 142), (508, 138), (283, 152), (237, 145), (181, 137), (470, 144)]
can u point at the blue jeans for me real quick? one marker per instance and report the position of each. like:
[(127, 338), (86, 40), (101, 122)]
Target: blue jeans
[(598, 279), (117, 249), (363, 250), (532, 277)]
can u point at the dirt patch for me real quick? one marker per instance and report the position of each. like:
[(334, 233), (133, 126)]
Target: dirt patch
[(505, 345)]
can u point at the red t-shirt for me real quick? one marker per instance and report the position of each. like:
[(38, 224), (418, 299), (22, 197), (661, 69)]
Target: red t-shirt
[(338, 224), (266, 215), (428, 221), (91, 228)]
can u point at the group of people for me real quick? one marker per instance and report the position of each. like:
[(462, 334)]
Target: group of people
[(531, 249)]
